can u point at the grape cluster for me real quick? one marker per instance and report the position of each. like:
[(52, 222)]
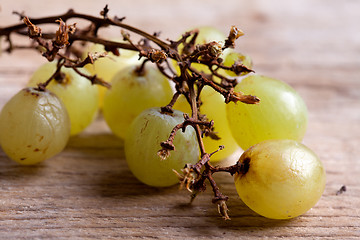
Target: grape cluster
[(167, 125)]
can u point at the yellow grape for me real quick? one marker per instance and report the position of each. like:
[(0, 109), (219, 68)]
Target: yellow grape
[(34, 126), (146, 132), (281, 113), (213, 105), (280, 179), (108, 66), (131, 93), (77, 93)]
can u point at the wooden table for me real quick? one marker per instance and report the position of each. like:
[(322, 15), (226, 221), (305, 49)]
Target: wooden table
[(87, 191)]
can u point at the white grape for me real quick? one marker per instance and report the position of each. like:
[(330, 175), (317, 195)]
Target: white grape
[(142, 144), (34, 126)]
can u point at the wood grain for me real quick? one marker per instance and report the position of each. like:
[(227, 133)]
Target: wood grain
[(87, 191)]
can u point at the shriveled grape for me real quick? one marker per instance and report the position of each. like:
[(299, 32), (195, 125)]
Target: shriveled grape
[(34, 126)]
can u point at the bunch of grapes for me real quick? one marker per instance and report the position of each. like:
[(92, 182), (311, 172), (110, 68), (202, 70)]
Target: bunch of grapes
[(180, 107)]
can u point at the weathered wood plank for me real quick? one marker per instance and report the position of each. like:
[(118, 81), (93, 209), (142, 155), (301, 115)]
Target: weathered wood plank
[(87, 191)]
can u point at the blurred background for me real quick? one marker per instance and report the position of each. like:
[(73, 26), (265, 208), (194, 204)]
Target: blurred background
[(276, 32)]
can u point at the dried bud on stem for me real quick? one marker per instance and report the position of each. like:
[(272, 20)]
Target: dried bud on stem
[(239, 68), (223, 209), (33, 31), (156, 55), (91, 58), (163, 153), (167, 146), (186, 178), (234, 34), (105, 11), (215, 49), (62, 35), (239, 96)]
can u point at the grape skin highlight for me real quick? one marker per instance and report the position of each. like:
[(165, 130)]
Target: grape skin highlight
[(147, 131), (34, 126), (280, 179), (281, 113)]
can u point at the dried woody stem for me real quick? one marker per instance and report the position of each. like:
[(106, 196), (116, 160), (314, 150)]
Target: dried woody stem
[(189, 82)]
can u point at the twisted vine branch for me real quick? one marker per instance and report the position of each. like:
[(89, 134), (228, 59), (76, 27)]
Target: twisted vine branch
[(189, 82)]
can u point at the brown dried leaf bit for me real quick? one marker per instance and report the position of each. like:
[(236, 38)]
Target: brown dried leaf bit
[(167, 146), (214, 49), (62, 34), (187, 177), (223, 209), (90, 59), (33, 31), (163, 153)]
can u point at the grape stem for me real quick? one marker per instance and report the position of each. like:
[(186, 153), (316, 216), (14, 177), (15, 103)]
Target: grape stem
[(56, 75), (61, 45)]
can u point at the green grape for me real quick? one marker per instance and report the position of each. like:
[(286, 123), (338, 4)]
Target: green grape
[(233, 57), (214, 107), (142, 143), (77, 93), (34, 126), (280, 179), (281, 114), (108, 66), (131, 93)]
